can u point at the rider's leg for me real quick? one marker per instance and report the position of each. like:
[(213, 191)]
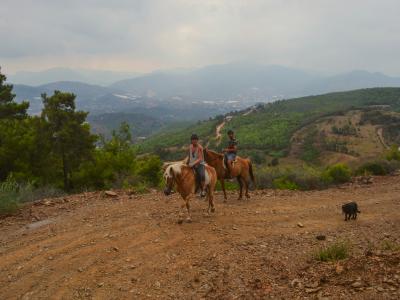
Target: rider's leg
[(202, 171)]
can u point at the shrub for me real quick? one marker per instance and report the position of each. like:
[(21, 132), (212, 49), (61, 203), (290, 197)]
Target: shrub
[(394, 153), (334, 252), (283, 183), (302, 178), (339, 173), (380, 167), (149, 170)]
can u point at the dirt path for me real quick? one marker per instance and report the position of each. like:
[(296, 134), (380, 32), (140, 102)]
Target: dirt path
[(91, 247), (379, 133)]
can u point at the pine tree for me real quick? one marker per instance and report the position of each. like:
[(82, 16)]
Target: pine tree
[(71, 140), (9, 109)]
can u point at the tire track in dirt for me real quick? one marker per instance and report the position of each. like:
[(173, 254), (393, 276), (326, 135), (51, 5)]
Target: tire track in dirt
[(133, 248)]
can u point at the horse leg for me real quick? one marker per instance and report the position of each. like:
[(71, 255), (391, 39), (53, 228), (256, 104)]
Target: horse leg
[(246, 185), (211, 201), (189, 217), (241, 187), (222, 181)]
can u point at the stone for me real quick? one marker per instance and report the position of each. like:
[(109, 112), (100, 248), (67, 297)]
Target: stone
[(111, 194), (321, 237), (300, 225)]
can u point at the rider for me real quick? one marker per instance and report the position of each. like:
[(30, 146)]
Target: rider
[(196, 161), (230, 151)]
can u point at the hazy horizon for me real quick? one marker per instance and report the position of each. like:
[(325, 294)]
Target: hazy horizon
[(144, 36)]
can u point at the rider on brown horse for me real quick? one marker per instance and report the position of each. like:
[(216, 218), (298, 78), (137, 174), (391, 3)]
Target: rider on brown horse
[(196, 161), (230, 151)]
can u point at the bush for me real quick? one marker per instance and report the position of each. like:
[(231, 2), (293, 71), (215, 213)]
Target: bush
[(394, 153), (13, 194), (302, 178), (284, 183), (149, 170), (333, 252), (339, 173), (380, 167)]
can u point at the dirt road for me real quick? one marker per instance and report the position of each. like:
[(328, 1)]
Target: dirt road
[(90, 246)]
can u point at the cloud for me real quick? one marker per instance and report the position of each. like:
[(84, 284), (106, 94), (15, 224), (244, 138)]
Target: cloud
[(329, 35)]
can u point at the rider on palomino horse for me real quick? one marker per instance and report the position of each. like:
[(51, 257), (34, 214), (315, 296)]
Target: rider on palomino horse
[(230, 151), (196, 161)]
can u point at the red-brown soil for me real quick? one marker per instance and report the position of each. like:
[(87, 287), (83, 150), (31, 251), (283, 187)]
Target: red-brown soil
[(91, 246)]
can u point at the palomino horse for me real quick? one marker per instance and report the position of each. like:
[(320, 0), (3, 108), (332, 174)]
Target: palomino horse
[(183, 177), (242, 170)]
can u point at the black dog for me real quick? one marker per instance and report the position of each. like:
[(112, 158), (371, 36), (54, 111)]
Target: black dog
[(350, 210)]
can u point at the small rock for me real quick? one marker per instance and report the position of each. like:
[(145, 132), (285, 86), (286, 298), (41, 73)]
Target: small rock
[(111, 194), (115, 248), (357, 284), (386, 234), (300, 225), (339, 269), (157, 284), (80, 270), (321, 237), (313, 290), (100, 284), (50, 258), (380, 289)]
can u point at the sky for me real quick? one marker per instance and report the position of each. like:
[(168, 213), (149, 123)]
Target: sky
[(328, 36)]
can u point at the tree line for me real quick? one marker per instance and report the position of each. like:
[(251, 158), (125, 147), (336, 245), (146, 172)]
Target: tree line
[(57, 148)]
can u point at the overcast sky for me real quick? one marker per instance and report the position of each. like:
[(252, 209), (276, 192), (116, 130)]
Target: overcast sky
[(127, 35)]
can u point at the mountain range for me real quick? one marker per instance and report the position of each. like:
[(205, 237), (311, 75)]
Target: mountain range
[(188, 94)]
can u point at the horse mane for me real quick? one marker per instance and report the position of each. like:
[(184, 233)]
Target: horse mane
[(214, 153)]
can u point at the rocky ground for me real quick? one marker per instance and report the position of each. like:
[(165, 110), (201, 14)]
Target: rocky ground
[(98, 246)]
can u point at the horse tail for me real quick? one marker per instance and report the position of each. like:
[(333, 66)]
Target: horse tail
[(251, 172)]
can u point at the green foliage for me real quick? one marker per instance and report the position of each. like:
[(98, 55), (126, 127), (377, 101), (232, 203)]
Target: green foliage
[(269, 128), (229, 186), (284, 183), (393, 153), (9, 200), (309, 152), (149, 170), (9, 109), (334, 252), (115, 164), (302, 178), (378, 167), (70, 139), (338, 173)]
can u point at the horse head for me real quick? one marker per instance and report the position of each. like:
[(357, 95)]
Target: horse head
[(170, 174)]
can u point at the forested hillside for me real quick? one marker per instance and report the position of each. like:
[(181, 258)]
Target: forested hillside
[(268, 129)]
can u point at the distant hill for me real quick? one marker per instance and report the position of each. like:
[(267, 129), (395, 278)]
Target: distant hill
[(99, 77), (141, 125), (267, 130), (249, 83)]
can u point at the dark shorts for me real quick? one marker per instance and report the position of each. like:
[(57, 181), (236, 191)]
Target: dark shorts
[(230, 156), (200, 170)]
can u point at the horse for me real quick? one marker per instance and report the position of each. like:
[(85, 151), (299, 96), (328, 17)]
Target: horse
[(242, 170), (184, 178)]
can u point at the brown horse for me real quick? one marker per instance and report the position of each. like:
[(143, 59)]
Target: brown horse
[(183, 177), (242, 170)]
